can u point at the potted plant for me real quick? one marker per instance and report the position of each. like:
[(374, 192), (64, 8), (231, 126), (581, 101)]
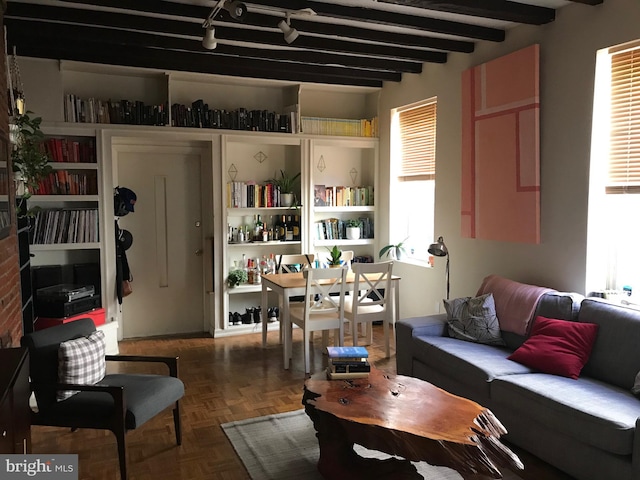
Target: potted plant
[(335, 255), (354, 227), (29, 160), (395, 252), (236, 277), (285, 184)]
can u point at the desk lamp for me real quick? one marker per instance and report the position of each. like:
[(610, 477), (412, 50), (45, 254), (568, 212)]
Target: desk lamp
[(439, 249)]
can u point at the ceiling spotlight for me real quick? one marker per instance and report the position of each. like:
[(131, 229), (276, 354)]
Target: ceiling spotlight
[(290, 33), (237, 10), (209, 40)]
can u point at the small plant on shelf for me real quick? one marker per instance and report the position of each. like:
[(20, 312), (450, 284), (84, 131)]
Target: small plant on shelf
[(335, 255), (29, 160), (354, 223), (236, 277), (394, 252), (353, 228), (285, 182)]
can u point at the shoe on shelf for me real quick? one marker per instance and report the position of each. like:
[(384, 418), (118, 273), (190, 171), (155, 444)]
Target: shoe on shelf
[(257, 314)]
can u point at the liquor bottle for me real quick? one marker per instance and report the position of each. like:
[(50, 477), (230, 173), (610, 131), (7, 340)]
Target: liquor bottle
[(271, 263), (276, 228), (296, 228), (258, 228), (289, 229), (282, 230)]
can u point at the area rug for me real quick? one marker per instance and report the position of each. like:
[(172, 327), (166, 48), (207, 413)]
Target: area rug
[(284, 446)]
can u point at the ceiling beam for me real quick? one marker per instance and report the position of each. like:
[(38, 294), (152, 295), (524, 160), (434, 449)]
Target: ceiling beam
[(161, 25), (587, 2), (359, 14), (495, 9)]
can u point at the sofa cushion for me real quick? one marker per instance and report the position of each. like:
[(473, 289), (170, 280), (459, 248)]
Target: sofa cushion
[(81, 361), (558, 347), (588, 410), (476, 363), (615, 357), (473, 319)]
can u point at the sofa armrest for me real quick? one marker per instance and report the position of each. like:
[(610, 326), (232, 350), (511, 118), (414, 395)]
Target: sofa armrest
[(406, 329)]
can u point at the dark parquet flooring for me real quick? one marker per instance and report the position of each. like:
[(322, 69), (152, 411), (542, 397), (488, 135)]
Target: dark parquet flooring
[(226, 379)]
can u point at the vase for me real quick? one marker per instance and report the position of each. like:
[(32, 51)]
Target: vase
[(353, 233), (286, 199)]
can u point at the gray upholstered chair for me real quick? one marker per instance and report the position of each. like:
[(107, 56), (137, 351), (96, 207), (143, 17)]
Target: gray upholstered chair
[(118, 402)]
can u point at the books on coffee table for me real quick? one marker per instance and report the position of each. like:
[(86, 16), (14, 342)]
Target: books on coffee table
[(347, 363)]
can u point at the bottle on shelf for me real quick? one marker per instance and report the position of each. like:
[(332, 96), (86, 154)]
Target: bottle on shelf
[(296, 228), (271, 263), (289, 229), (282, 229), (258, 228)]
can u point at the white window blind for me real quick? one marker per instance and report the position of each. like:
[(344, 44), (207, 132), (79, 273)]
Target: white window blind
[(624, 141), (418, 139)]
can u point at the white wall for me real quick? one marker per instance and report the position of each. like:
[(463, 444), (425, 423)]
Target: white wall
[(567, 64)]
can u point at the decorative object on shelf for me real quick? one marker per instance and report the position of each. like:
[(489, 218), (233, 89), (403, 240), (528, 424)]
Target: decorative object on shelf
[(17, 102), (439, 249), (321, 164), (354, 227), (335, 258), (285, 183), (354, 175), (395, 252), (260, 156), (236, 277), (30, 162), (233, 171)]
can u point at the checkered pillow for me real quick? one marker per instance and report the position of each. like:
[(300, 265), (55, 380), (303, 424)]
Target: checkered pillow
[(81, 361)]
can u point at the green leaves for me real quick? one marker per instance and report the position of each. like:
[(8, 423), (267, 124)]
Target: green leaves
[(336, 254)]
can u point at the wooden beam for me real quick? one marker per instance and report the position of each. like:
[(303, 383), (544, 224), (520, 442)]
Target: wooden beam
[(495, 9)]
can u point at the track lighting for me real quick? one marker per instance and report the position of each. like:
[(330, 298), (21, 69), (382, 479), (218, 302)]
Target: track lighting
[(209, 40), (290, 33)]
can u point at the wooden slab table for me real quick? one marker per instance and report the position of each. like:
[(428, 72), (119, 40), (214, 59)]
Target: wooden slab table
[(402, 416)]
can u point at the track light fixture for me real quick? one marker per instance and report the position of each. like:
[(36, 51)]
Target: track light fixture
[(209, 40), (290, 33)]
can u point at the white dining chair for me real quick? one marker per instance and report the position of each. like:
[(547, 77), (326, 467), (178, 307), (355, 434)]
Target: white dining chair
[(320, 311), (371, 300)]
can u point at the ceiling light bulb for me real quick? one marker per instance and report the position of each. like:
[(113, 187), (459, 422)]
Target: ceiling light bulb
[(290, 34), (209, 40), (237, 10)]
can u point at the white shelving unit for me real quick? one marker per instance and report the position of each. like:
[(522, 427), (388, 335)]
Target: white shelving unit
[(48, 82)]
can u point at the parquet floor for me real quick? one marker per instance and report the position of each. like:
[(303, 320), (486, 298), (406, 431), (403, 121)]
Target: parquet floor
[(226, 379)]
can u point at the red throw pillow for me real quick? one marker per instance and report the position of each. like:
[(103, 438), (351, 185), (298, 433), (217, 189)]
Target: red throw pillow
[(558, 347)]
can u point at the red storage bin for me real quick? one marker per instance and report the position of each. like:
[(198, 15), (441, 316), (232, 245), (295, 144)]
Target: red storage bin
[(97, 315)]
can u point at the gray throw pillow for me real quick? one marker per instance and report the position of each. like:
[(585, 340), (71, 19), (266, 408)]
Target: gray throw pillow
[(474, 319)]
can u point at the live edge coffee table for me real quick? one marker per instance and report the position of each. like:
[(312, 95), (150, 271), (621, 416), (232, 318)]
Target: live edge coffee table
[(406, 417)]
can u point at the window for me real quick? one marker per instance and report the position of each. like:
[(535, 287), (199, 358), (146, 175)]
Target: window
[(614, 191), (413, 175)]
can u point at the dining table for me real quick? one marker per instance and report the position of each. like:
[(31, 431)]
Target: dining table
[(288, 285)]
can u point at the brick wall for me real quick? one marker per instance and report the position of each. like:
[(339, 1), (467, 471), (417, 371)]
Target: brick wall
[(10, 298)]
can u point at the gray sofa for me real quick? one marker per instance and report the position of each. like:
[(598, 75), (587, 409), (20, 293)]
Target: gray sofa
[(589, 427)]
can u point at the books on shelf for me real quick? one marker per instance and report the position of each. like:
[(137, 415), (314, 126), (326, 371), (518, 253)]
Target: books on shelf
[(71, 150), (339, 126), (65, 226), (341, 196), (347, 352), (93, 110), (69, 182), (199, 115), (336, 229), (252, 195)]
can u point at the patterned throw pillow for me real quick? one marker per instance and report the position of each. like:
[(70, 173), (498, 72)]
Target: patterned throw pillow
[(474, 319), (81, 361)]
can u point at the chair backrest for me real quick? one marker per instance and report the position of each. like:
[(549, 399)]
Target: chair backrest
[(43, 348), (372, 285), (346, 257), (293, 263), (322, 285)]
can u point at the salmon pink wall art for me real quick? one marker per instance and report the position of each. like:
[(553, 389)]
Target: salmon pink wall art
[(501, 149)]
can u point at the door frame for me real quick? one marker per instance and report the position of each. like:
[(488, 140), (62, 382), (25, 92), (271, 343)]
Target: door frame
[(111, 143)]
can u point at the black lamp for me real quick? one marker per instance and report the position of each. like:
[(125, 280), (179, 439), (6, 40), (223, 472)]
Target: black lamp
[(439, 249)]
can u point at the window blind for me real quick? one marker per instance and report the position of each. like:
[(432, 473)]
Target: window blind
[(418, 140), (624, 138)]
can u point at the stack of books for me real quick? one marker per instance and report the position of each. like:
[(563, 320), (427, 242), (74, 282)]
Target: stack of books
[(347, 363)]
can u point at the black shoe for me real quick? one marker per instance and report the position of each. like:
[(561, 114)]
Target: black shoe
[(237, 320), (246, 318), (257, 315)]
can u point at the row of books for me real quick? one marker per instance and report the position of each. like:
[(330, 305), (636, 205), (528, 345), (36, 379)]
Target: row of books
[(341, 196), (348, 363), (336, 229), (252, 195), (199, 115), (339, 126), (72, 150), (65, 182), (65, 226), (130, 112)]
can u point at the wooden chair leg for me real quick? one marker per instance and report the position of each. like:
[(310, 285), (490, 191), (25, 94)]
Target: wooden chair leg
[(176, 423), (122, 451)]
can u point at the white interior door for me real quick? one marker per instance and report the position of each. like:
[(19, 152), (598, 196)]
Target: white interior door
[(166, 255)]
